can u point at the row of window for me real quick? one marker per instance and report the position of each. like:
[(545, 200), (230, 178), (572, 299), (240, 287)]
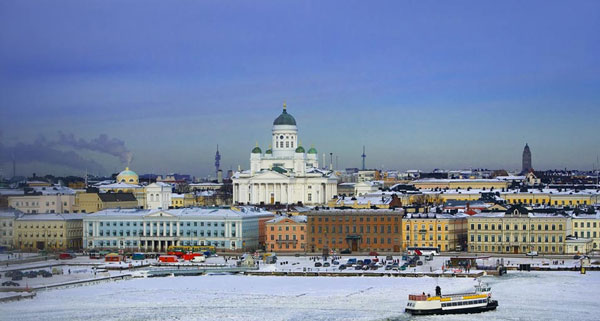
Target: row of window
[(287, 237), (156, 233), (582, 224), (543, 201), (361, 219), (416, 226), (162, 224), (515, 238), (367, 240), (287, 228), (523, 249), (516, 227), (355, 229), (439, 237)]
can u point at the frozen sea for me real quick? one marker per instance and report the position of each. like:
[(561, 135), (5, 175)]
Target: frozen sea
[(521, 296)]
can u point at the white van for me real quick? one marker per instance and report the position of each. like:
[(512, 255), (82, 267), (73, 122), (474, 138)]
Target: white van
[(199, 259)]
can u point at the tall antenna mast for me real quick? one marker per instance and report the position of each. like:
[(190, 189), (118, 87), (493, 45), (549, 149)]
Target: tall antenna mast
[(364, 156)]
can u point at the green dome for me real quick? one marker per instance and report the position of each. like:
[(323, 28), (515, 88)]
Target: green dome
[(300, 149), (312, 150), (256, 150), (285, 118), (269, 151)]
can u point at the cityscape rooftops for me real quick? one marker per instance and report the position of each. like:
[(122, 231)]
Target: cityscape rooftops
[(215, 213)]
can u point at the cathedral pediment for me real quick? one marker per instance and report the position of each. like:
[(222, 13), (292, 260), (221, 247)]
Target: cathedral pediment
[(270, 175), (160, 214)]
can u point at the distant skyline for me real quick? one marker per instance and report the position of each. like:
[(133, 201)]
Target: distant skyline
[(422, 84)]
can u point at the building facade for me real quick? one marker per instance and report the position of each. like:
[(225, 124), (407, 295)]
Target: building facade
[(285, 173), (587, 226), (93, 202), (158, 196), (156, 230), (51, 232), (362, 230), (7, 221), (41, 202), (286, 233), (447, 232), (517, 231)]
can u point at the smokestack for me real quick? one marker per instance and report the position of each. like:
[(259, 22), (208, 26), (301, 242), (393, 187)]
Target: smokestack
[(330, 161)]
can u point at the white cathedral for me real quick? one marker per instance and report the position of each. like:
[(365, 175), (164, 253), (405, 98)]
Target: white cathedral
[(285, 173)]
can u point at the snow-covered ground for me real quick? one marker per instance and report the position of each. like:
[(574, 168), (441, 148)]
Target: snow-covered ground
[(521, 295)]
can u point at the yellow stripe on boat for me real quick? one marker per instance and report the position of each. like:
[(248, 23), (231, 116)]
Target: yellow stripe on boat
[(479, 296)]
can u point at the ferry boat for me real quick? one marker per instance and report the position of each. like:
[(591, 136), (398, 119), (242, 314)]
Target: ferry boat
[(477, 301)]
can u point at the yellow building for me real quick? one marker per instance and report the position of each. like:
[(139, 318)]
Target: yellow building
[(517, 231), (94, 202), (444, 231), (587, 226), (7, 221), (53, 232), (179, 200), (128, 176), (460, 184)]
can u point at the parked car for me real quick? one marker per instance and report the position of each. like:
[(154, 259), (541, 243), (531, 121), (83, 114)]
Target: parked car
[(346, 251), (389, 258), (419, 262), (388, 267), (365, 267), (10, 283), (66, 256), (373, 253), (318, 264), (532, 253), (342, 267), (326, 264), (367, 261), (334, 262), (351, 261), (360, 262), (358, 267), (17, 277)]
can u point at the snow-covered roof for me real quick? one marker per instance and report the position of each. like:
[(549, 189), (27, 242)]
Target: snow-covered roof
[(193, 212), (435, 215), (118, 185), (11, 192), (54, 190), (50, 217), (10, 213), (295, 218)]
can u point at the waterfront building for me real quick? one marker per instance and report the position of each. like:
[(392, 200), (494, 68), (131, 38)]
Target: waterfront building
[(53, 232), (285, 173), (152, 230), (52, 199), (361, 230), (518, 231), (7, 221), (286, 233), (587, 225), (447, 232)]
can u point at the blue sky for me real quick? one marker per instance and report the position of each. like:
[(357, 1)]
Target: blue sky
[(423, 84)]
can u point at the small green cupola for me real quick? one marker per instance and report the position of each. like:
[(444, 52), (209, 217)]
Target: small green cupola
[(312, 150), (300, 149), (269, 151), (256, 149)]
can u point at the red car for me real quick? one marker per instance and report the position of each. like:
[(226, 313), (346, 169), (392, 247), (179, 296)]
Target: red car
[(373, 253), (65, 256)]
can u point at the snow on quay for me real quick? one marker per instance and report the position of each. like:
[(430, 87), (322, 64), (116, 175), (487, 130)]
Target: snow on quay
[(521, 295)]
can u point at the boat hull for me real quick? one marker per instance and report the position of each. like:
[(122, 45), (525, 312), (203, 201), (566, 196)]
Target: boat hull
[(492, 305)]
